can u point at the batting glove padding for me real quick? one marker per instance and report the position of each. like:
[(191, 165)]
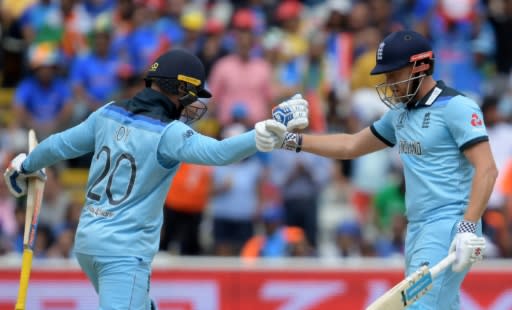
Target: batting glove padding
[(266, 140), (293, 113), (468, 248), (286, 140), (16, 178)]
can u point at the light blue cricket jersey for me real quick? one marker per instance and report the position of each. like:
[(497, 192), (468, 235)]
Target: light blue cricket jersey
[(431, 138), (137, 151)]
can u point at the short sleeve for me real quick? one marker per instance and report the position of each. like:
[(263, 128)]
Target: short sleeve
[(384, 128), (465, 122)]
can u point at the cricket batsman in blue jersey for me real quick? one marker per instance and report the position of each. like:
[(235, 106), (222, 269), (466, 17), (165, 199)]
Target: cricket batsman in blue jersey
[(448, 166), (138, 145)]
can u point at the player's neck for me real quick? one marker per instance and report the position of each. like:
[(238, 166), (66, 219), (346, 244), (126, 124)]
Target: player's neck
[(428, 84)]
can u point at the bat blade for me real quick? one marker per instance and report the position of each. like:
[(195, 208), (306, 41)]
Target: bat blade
[(34, 200), (411, 288)]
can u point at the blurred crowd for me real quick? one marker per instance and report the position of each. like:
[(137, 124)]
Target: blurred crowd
[(62, 59)]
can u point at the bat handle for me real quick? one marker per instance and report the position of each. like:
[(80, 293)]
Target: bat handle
[(443, 264), (26, 266)]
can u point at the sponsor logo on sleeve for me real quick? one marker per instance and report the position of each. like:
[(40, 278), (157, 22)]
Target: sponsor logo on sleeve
[(475, 120)]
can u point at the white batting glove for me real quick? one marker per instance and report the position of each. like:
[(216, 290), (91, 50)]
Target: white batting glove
[(266, 140), (293, 113), (286, 140), (16, 178), (468, 247)]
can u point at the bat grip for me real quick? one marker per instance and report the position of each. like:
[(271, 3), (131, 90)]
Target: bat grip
[(445, 262), (26, 267)]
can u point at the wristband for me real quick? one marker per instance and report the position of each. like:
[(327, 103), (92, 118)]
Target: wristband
[(299, 143), (466, 226), (292, 142)]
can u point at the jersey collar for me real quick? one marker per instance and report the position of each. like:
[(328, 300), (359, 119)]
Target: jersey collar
[(431, 96), (152, 100)]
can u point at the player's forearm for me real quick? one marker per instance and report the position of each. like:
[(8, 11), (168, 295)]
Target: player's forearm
[(70, 143), (483, 183), (209, 151), (237, 148), (332, 146), (42, 156)]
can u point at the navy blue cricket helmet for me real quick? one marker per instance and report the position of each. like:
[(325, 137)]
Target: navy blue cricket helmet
[(180, 72), (180, 65), (398, 50)]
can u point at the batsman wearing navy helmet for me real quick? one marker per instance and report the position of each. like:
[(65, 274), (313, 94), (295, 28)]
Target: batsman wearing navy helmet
[(137, 145), (181, 74), (448, 167), (403, 50)]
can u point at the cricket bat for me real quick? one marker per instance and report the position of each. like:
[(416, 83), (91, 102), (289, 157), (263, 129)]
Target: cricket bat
[(34, 199), (411, 288)]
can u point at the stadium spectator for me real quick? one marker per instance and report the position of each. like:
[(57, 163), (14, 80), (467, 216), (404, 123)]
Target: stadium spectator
[(339, 53), (42, 22), (13, 44), (392, 244), (382, 16), (501, 145), (43, 99), (55, 201), (236, 200), (388, 203), (240, 77), (349, 239), (16, 242), (452, 37), (43, 240), (76, 25), (184, 206), (63, 245), (300, 179), (123, 46), (98, 7), (193, 22), (277, 239), (293, 49), (501, 21), (146, 42), (371, 37), (213, 45), (94, 76)]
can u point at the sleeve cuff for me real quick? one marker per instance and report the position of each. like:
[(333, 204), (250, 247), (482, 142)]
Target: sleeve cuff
[(22, 168), (472, 142), (380, 137)]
